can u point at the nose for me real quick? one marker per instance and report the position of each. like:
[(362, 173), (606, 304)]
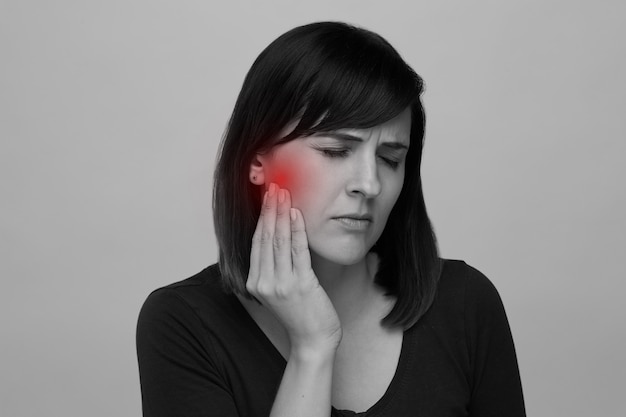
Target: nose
[(364, 178)]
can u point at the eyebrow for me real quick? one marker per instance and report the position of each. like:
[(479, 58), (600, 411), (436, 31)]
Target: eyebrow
[(353, 138)]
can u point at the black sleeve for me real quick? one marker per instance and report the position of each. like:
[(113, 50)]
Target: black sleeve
[(496, 384), (177, 367)]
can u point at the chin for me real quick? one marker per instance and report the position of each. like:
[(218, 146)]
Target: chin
[(342, 249), (340, 254)]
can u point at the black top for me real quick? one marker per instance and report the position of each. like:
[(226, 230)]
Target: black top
[(201, 354)]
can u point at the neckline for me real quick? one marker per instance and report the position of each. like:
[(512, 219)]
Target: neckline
[(396, 381)]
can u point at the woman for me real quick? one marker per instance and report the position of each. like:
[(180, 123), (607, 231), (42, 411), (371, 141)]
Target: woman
[(329, 297)]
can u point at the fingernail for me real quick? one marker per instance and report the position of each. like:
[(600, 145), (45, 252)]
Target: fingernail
[(292, 214), (281, 195), (272, 189)]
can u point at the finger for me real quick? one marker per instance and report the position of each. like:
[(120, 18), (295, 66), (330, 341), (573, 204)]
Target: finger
[(300, 254), (282, 236), (267, 235), (255, 252)]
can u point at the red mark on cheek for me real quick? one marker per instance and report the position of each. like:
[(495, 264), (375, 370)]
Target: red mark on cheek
[(286, 175)]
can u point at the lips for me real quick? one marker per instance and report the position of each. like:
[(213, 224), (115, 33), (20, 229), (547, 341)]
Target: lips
[(356, 216)]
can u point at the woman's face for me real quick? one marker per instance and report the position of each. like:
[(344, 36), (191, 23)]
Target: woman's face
[(336, 177)]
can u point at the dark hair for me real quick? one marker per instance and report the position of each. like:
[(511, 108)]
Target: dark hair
[(331, 76)]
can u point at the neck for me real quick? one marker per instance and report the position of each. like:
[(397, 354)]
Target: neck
[(350, 287)]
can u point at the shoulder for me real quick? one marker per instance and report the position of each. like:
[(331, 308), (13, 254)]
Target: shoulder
[(200, 295), (460, 279), (473, 296), (466, 295), (458, 272), (468, 319), (209, 278)]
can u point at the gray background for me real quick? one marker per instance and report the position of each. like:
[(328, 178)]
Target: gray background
[(111, 113)]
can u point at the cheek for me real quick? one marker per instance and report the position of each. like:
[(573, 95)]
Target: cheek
[(394, 189), (302, 177), (287, 173)]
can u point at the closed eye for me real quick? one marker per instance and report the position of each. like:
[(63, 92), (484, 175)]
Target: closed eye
[(335, 153), (342, 153)]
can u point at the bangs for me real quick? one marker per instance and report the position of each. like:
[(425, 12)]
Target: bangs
[(354, 82)]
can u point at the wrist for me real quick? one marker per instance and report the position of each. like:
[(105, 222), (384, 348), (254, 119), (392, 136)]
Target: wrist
[(313, 354)]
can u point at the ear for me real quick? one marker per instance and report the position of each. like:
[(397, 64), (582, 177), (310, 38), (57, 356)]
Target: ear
[(257, 169)]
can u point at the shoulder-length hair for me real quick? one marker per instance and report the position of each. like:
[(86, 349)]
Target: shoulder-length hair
[(329, 75)]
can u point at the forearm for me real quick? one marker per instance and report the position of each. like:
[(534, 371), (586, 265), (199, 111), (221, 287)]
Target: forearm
[(305, 390)]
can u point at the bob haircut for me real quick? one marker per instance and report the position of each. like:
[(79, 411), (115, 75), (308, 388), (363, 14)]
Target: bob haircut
[(331, 76)]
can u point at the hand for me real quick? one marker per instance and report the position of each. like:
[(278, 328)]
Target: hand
[(281, 277)]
